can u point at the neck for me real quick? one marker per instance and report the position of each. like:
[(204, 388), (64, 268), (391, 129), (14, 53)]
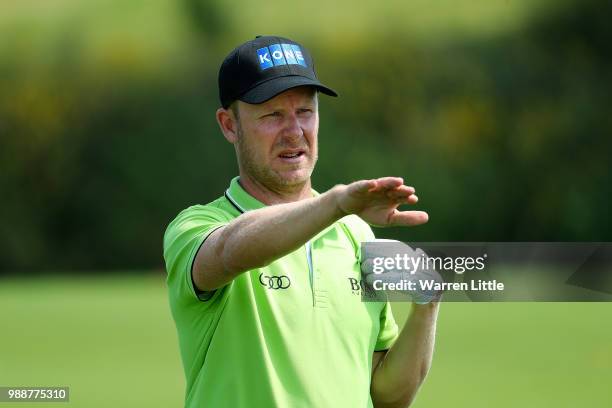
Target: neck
[(271, 196)]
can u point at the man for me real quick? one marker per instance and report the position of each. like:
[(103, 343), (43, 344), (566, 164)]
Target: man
[(263, 281)]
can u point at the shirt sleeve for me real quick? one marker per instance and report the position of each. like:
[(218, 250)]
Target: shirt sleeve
[(182, 240), (388, 329)]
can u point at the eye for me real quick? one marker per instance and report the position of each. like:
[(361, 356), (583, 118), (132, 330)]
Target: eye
[(271, 114), (304, 111)]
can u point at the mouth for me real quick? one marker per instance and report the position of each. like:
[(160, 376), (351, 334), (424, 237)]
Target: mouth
[(292, 155)]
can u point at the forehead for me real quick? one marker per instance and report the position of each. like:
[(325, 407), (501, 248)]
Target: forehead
[(291, 97)]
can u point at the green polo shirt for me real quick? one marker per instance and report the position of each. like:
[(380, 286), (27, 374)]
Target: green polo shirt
[(292, 334)]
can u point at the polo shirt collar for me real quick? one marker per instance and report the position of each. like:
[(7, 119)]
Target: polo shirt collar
[(242, 200)]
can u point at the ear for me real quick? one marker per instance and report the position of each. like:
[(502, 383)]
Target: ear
[(228, 124)]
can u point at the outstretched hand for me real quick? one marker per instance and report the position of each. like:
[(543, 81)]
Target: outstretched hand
[(376, 202)]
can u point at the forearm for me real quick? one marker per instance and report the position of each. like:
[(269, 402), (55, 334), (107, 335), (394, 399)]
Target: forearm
[(402, 370), (259, 237)]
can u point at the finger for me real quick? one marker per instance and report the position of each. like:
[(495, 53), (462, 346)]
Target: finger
[(401, 192), (388, 182), (411, 199), (405, 190), (408, 218)]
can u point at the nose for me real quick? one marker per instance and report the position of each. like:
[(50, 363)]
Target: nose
[(293, 128)]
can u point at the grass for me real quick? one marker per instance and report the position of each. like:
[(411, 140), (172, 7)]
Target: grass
[(521, 355), (112, 340)]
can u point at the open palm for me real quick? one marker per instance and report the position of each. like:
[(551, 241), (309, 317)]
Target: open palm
[(376, 202)]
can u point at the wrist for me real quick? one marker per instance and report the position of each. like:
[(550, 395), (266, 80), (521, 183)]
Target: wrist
[(425, 307), (333, 197)]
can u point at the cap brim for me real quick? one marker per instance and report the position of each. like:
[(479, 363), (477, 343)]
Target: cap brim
[(269, 89)]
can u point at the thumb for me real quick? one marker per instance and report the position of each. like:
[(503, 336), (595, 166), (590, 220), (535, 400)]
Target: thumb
[(408, 218)]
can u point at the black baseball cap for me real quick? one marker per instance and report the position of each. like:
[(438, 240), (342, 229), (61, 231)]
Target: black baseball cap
[(260, 69)]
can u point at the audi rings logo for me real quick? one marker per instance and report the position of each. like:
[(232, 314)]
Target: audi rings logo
[(275, 282)]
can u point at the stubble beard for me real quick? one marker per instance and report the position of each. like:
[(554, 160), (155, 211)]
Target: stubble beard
[(266, 176)]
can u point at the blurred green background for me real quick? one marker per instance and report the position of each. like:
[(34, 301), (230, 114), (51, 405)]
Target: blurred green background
[(498, 112), (112, 340)]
